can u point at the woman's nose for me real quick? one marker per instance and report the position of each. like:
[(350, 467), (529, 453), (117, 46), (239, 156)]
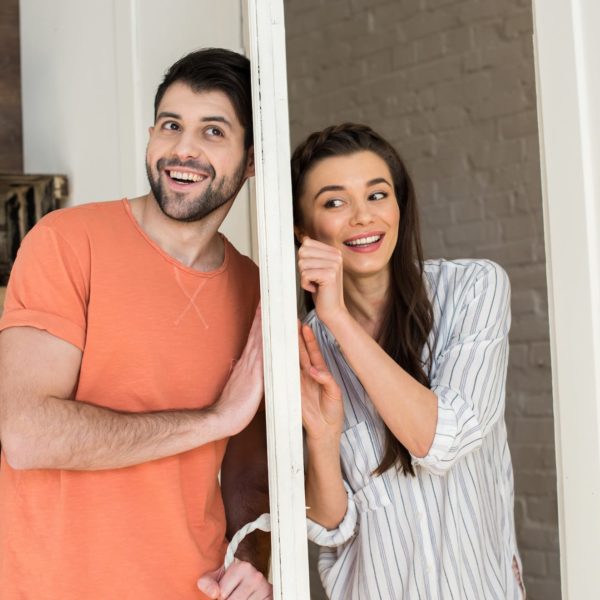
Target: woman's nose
[(362, 213)]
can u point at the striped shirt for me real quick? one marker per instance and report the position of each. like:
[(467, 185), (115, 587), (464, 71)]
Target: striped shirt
[(447, 533)]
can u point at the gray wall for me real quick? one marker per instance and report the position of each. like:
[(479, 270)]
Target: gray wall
[(451, 84)]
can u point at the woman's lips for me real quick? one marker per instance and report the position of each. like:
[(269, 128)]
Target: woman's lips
[(368, 242)]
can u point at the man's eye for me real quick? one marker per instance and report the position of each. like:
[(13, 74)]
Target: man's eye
[(214, 132), (378, 196), (170, 126), (333, 203)]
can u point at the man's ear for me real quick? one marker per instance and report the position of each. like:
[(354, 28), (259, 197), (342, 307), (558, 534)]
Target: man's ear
[(150, 130), (250, 163)]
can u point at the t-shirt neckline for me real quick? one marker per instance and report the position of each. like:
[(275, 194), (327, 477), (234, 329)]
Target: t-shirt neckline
[(227, 250)]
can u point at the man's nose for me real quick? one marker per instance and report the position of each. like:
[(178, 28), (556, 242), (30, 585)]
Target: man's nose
[(188, 146)]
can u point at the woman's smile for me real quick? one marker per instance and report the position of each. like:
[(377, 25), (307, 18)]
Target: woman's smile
[(349, 202)]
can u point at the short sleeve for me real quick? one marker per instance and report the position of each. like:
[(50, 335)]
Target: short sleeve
[(470, 377), (48, 289)]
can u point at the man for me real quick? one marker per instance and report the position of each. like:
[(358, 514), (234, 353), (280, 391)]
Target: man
[(123, 372)]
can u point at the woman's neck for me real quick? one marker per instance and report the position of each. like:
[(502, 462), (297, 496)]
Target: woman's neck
[(366, 300)]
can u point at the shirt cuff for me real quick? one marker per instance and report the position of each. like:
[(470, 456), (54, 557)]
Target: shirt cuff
[(56, 325), (438, 459), (342, 533)]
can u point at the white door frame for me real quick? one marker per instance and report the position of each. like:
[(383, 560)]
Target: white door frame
[(289, 563), (567, 65)]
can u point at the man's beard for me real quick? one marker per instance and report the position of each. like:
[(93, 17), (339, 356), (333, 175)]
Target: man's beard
[(177, 206)]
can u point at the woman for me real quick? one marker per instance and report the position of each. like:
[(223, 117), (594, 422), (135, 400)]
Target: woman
[(409, 479)]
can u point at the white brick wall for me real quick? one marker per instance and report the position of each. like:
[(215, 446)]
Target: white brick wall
[(451, 84)]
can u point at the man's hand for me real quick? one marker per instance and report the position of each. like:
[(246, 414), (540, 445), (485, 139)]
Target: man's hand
[(243, 392), (240, 582)]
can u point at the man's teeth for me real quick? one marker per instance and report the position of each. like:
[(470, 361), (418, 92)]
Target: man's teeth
[(363, 241), (185, 176)]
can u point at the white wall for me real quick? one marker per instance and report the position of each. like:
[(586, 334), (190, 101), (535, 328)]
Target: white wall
[(89, 73)]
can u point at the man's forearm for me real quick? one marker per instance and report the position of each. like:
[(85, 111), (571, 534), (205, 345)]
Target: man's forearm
[(41, 428), (68, 434), (245, 487)]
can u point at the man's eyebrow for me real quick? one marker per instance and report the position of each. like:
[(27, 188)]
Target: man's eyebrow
[(167, 115), (217, 118), (208, 119), (329, 188)]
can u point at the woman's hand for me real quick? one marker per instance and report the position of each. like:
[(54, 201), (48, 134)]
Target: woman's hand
[(322, 274), (322, 404)]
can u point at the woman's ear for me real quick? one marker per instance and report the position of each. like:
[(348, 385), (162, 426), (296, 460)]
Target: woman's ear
[(299, 234)]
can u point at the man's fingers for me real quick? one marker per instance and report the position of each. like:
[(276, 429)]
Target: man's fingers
[(241, 581), (208, 584)]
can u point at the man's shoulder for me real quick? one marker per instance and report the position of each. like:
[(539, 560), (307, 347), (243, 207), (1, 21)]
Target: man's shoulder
[(92, 213)]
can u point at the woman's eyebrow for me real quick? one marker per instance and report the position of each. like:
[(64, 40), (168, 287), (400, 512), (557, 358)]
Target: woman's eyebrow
[(378, 180), (330, 188)]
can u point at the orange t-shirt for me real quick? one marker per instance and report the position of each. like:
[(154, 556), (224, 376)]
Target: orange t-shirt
[(155, 335)]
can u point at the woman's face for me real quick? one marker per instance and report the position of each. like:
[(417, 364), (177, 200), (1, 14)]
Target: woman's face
[(349, 203)]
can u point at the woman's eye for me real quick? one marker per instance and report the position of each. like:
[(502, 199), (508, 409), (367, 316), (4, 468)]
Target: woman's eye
[(377, 196), (333, 203)]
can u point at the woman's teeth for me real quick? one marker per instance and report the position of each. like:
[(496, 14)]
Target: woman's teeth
[(371, 239)]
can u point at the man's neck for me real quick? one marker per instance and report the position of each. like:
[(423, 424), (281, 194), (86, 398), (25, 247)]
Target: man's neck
[(196, 245)]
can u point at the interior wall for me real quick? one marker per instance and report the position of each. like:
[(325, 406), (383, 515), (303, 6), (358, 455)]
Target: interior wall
[(451, 83), (90, 71), (11, 146)]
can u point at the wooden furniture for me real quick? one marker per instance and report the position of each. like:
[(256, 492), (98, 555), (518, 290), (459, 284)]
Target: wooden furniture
[(24, 200)]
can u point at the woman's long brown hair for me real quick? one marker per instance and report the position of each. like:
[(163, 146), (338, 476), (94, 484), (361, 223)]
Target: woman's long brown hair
[(408, 316)]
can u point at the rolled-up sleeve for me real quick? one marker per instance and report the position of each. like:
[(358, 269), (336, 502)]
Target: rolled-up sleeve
[(470, 375), (48, 287), (338, 536)]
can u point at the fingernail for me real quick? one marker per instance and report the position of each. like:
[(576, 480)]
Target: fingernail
[(208, 588)]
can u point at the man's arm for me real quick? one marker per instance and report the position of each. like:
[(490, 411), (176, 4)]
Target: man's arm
[(245, 488), (42, 427)]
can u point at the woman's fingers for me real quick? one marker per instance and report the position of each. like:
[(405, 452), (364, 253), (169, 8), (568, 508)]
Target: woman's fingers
[(328, 383), (312, 279), (305, 363), (313, 350)]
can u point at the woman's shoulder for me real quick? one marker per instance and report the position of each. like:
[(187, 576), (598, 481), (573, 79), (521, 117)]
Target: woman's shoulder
[(455, 284), (463, 272)]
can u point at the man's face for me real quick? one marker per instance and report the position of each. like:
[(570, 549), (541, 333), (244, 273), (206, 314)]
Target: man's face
[(195, 158)]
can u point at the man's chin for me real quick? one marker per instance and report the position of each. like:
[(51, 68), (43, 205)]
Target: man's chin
[(185, 214)]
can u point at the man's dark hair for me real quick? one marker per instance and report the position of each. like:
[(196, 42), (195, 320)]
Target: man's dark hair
[(215, 69)]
